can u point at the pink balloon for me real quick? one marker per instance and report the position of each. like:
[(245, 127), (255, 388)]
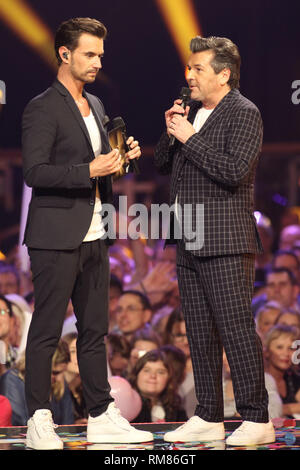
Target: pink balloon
[(126, 398)]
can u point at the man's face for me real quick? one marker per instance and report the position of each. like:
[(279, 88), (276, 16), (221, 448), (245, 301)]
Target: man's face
[(289, 262), (280, 289), (203, 82), (131, 315), (85, 60)]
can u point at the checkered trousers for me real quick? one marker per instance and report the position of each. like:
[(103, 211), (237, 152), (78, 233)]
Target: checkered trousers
[(216, 297)]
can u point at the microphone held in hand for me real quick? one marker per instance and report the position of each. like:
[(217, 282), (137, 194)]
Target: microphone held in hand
[(118, 138), (185, 96)]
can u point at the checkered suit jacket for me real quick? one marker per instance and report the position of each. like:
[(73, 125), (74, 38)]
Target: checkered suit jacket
[(216, 168)]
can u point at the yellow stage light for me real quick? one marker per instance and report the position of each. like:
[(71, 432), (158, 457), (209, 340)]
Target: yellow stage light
[(181, 20), (29, 27)]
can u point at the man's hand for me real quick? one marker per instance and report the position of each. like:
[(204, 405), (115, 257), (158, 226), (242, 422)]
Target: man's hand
[(135, 151), (177, 123), (106, 164)]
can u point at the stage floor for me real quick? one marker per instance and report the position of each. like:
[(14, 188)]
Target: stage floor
[(74, 437)]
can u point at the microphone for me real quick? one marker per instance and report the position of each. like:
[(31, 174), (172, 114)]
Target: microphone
[(185, 95), (118, 125)]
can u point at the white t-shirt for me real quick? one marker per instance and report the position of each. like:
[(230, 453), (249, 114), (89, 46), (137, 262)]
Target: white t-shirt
[(96, 229)]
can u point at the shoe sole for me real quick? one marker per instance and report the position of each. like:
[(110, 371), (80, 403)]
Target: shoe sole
[(269, 439), (196, 438), (116, 439), (31, 445)]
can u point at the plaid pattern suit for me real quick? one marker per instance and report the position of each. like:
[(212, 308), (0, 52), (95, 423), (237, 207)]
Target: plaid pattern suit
[(216, 168)]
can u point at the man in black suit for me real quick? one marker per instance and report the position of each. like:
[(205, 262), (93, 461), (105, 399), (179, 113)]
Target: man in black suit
[(68, 163), (212, 165)]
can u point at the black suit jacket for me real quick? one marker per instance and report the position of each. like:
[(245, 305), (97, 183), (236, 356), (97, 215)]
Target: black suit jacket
[(57, 150), (216, 168)]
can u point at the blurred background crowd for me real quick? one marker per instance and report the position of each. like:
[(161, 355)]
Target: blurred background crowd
[(148, 357), (143, 71)]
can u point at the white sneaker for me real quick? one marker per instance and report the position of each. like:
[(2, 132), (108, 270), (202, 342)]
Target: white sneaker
[(196, 429), (111, 427), (250, 433), (40, 432)]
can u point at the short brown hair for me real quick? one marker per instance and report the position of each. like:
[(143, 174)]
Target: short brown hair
[(226, 56), (69, 32)]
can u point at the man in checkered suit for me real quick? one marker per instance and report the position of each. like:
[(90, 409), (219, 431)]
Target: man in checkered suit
[(212, 166)]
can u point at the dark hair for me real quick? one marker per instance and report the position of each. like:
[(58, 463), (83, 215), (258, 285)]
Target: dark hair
[(143, 298), (8, 303), (146, 334), (178, 360), (69, 32), (286, 253), (118, 344), (291, 276), (226, 56), (175, 317)]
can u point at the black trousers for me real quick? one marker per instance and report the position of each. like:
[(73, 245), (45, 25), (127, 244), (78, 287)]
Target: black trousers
[(216, 297), (58, 276)]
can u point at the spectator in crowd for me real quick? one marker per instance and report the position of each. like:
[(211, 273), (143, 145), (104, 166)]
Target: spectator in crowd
[(13, 387), (9, 279), (73, 379), (22, 314), (266, 317), (279, 353), (289, 317), (289, 236), (287, 259), (175, 334), (160, 285), (118, 353), (7, 351), (133, 312), (5, 412), (152, 378), (282, 287), (145, 339), (275, 402)]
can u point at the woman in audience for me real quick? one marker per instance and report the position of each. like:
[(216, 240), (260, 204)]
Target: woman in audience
[(13, 387), (152, 378), (289, 317), (175, 334), (266, 317), (281, 357), (230, 412), (74, 382)]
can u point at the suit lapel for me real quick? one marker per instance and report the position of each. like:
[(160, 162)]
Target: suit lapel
[(217, 112)]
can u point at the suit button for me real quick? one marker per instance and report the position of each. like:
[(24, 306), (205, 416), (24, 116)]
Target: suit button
[(92, 202), (179, 178)]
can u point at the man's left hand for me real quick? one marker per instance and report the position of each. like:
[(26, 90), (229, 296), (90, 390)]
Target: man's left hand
[(135, 151), (181, 128)]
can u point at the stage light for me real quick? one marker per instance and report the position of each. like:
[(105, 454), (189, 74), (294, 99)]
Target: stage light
[(181, 20), (22, 19)]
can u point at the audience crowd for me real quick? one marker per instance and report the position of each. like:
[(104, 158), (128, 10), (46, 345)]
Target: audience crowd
[(147, 346)]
